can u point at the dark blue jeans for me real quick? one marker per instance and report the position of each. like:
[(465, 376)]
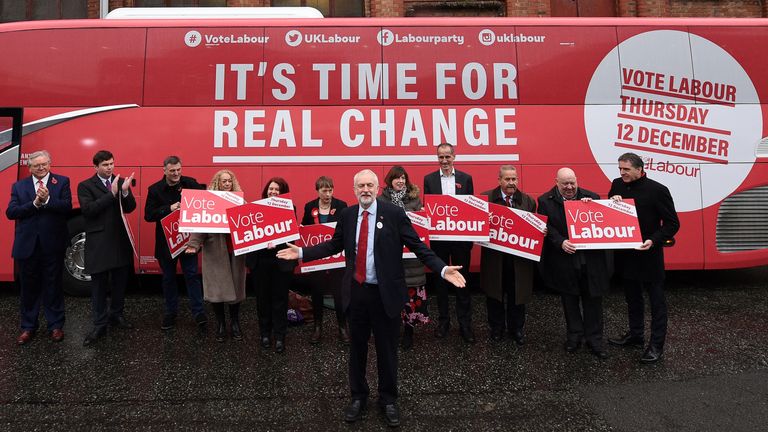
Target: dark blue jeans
[(170, 287)]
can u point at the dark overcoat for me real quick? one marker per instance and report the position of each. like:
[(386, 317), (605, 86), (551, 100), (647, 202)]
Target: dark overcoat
[(560, 270), (492, 263), (658, 222), (106, 241)]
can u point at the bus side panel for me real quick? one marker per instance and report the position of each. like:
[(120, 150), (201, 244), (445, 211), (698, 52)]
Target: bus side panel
[(7, 228), (72, 67)]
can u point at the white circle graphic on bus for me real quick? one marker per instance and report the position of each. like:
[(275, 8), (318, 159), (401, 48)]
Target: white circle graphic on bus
[(487, 37), (193, 38), (683, 104), (385, 37), (293, 38)]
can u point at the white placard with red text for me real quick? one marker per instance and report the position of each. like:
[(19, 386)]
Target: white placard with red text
[(205, 211), (516, 232), (256, 225), (421, 224), (175, 239), (458, 217), (603, 224), (312, 235)]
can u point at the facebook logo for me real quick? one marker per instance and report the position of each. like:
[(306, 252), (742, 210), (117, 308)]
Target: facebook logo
[(385, 37)]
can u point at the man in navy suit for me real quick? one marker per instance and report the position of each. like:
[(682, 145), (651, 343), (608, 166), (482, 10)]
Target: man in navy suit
[(449, 181), (40, 205), (373, 291)]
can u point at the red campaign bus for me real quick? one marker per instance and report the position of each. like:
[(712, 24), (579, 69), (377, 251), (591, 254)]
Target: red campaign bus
[(310, 97)]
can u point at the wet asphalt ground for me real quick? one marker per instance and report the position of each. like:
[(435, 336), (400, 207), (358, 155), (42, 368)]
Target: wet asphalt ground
[(714, 375)]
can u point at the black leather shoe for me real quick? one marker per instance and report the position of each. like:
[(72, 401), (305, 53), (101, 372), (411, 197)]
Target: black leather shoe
[(627, 340), (468, 335), (599, 352), (266, 342), (652, 354), (237, 334), (497, 336), (391, 415), (279, 346), (442, 330), (519, 337), (121, 323), (93, 336), (572, 346), (201, 320), (344, 335), (169, 322), (221, 332), (317, 334), (354, 411)]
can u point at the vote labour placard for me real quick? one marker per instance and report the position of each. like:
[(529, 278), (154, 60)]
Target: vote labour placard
[(255, 225), (176, 240), (603, 224), (311, 235), (458, 217), (206, 211), (420, 223), (516, 232)]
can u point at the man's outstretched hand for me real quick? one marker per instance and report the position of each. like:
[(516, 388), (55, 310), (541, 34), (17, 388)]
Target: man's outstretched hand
[(289, 253), (453, 276)]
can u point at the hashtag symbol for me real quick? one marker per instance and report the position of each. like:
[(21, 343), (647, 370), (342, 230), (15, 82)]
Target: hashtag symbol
[(192, 38)]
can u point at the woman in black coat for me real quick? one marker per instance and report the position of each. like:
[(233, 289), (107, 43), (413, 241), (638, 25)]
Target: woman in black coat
[(401, 192), (271, 278), (325, 209)]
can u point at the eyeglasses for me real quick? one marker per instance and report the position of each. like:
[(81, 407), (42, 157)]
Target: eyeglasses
[(40, 165)]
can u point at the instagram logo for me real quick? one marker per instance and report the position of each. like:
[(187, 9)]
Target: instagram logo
[(385, 37), (487, 37)]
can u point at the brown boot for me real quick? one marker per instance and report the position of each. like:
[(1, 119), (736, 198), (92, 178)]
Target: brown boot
[(317, 334), (344, 335)]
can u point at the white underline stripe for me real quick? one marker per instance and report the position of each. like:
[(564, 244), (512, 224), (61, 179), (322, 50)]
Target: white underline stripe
[(360, 158)]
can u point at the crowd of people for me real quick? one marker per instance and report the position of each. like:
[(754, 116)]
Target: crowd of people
[(379, 292)]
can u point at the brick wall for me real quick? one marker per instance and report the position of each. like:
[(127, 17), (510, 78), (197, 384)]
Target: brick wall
[(527, 8), (386, 8)]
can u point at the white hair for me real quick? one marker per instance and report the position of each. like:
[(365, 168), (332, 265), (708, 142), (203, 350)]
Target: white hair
[(365, 172)]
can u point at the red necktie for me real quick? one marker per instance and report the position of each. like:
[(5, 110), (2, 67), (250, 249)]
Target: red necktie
[(362, 249), (39, 184), (506, 199)]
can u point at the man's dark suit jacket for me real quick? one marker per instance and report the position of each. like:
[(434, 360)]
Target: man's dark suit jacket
[(395, 231), (47, 224), (160, 196), (106, 243), (336, 206), (433, 186)]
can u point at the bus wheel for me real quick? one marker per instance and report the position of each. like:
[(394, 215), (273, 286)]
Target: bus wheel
[(76, 281)]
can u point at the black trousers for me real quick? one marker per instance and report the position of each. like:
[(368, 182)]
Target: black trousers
[(322, 282), (633, 294), (504, 314), (40, 282), (454, 253), (119, 279), (272, 298), (584, 315), (366, 314)]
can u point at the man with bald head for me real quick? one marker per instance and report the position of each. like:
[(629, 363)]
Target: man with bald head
[(581, 277)]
